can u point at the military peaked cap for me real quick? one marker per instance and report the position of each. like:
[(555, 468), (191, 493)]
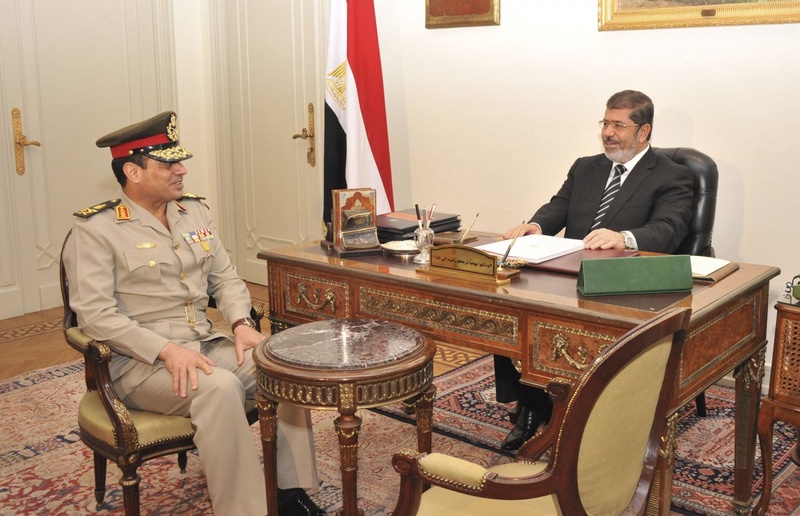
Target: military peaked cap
[(156, 138)]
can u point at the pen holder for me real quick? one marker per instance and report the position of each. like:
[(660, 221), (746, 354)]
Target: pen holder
[(423, 237)]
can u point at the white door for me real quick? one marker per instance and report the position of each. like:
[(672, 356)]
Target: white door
[(275, 69), (75, 70)]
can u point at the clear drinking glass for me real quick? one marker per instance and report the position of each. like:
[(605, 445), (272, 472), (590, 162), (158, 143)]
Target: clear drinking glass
[(423, 237)]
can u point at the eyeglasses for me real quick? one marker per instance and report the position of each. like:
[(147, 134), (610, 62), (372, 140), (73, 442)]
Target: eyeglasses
[(618, 126)]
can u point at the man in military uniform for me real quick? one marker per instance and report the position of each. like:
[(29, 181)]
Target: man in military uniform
[(141, 269)]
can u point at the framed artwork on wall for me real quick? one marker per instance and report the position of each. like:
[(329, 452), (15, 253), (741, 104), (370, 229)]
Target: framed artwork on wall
[(461, 13), (656, 14)]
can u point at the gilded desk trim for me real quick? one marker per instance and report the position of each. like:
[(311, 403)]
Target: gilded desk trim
[(438, 315)]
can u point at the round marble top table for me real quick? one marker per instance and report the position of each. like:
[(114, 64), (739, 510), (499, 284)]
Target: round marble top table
[(342, 365)]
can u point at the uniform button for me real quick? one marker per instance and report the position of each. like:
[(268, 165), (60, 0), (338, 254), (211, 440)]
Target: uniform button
[(151, 263), (176, 246), (183, 276)]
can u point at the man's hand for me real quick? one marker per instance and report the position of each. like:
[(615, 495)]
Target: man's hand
[(527, 229), (244, 338), (183, 364), (604, 239)]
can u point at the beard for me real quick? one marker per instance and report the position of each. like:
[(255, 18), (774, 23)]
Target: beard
[(621, 155)]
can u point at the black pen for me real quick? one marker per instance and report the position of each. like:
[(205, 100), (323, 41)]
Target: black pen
[(419, 219), (505, 256)]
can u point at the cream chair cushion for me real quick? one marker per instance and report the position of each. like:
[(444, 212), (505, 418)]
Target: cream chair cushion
[(151, 427)]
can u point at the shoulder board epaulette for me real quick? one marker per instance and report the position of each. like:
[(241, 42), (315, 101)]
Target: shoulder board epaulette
[(193, 197), (97, 208)]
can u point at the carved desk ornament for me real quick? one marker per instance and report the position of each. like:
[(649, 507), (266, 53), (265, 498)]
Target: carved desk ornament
[(354, 229), (467, 263)]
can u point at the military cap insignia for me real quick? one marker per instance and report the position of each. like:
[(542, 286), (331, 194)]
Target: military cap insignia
[(172, 128), (156, 138), (97, 208)]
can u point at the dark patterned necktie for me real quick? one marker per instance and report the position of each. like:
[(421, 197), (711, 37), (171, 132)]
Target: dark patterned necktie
[(608, 195)]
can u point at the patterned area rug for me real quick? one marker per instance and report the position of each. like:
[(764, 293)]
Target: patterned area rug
[(45, 469)]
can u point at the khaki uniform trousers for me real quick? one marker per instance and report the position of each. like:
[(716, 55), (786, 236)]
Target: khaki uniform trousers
[(229, 457)]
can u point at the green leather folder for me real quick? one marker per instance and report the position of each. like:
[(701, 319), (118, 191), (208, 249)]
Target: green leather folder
[(635, 275)]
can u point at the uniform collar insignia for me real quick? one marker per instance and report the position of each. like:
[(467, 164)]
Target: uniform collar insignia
[(123, 213)]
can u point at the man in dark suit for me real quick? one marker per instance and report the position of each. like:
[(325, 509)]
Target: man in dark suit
[(627, 197)]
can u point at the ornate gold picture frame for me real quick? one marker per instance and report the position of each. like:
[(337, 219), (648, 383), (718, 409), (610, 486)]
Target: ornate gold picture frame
[(650, 14), (461, 13)]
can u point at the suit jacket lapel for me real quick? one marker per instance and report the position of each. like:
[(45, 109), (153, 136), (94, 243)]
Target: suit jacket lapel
[(637, 176)]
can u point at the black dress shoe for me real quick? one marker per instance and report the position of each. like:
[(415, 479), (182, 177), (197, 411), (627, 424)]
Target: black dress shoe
[(296, 502), (527, 424)]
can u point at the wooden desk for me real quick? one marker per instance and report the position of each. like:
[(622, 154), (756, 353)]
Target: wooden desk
[(541, 321)]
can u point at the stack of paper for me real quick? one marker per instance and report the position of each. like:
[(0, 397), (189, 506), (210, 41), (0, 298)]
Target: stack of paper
[(534, 248)]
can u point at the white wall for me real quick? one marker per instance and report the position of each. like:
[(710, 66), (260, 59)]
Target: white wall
[(489, 119)]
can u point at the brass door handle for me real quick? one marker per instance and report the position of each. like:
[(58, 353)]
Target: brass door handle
[(308, 134), (20, 141)]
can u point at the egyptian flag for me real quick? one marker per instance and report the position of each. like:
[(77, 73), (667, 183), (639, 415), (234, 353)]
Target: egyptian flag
[(356, 137)]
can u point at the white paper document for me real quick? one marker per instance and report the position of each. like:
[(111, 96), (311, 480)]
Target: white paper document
[(534, 248), (705, 265)]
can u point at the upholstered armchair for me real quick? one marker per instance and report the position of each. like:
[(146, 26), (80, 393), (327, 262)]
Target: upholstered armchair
[(112, 431), (603, 441)]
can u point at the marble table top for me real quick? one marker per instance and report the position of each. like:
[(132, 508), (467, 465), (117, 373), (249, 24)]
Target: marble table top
[(344, 344)]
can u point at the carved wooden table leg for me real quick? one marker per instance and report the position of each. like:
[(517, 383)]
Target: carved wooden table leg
[(348, 425), (424, 409), (658, 502), (748, 397), (268, 423)]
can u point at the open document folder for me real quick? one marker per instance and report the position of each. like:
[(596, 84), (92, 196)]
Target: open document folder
[(534, 249)]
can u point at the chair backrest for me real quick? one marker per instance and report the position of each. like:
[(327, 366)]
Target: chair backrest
[(704, 206), (612, 425)]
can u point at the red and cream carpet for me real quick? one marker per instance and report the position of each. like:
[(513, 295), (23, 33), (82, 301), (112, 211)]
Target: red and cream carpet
[(45, 469)]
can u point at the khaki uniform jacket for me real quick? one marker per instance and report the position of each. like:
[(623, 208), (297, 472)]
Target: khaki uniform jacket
[(138, 285)]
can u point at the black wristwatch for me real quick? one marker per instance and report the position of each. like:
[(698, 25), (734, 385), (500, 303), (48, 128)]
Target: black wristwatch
[(247, 321)]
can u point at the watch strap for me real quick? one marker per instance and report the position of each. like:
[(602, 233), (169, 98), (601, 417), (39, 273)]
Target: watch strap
[(247, 321)]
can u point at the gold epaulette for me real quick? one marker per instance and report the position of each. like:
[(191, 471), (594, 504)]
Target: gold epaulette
[(97, 208), (193, 197)]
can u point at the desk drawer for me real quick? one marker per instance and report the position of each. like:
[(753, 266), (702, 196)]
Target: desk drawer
[(308, 294), (565, 347)]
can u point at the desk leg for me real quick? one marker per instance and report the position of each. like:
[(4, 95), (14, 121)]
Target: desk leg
[(749, 376), (348, 425), (660, 497), (766, 421), (425, 419), (268, 423)]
